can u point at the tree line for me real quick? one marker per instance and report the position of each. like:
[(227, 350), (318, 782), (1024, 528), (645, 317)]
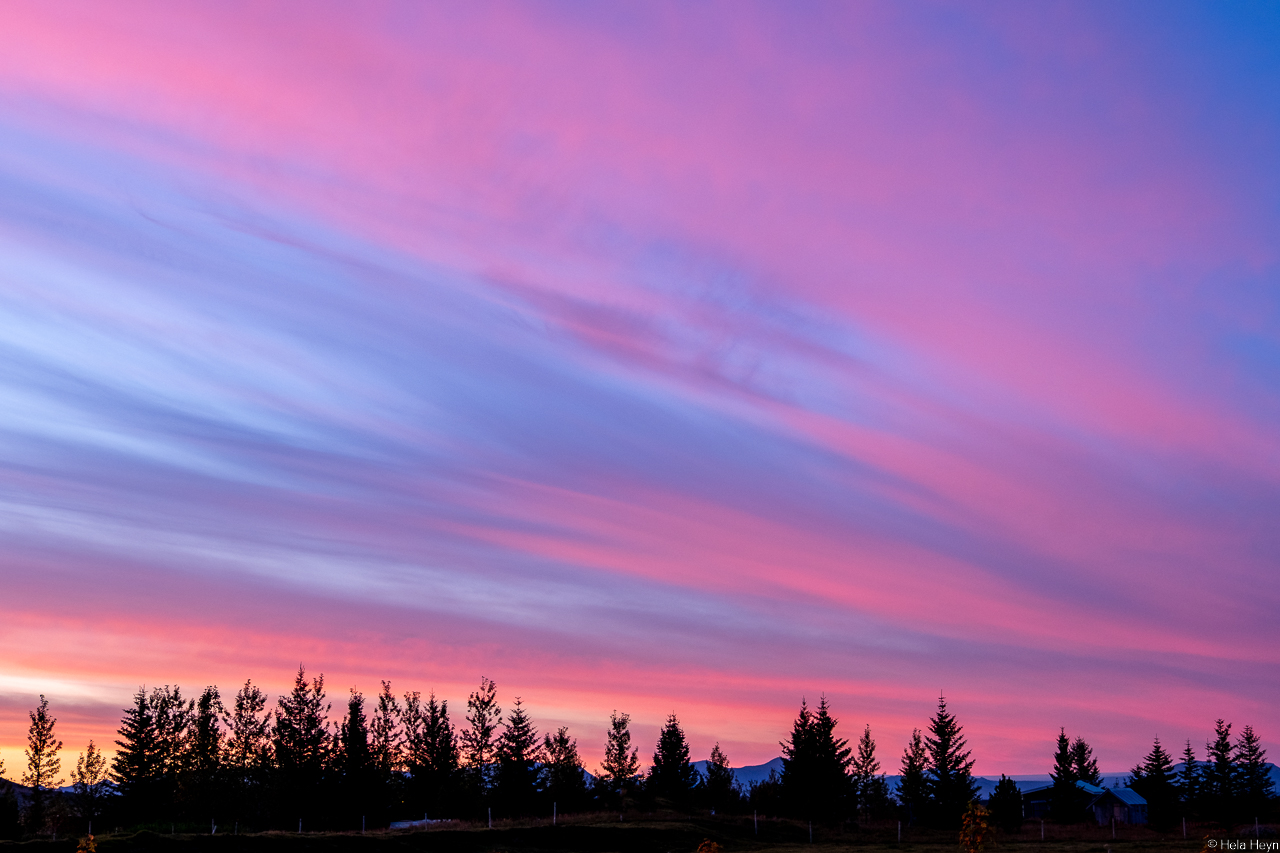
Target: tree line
[(246, 766)]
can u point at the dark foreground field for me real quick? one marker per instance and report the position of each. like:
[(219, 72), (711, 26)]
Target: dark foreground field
[(609, 835)]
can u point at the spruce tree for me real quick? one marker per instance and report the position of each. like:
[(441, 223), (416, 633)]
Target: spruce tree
[(721, 787), (136, 768), (949, 779), (815, 767), (173, 718), (43, 763), (89, 785), (518, 757), (353, 762), (1005, 805), (673, 778), (431, 756), (913, 793), (302, 742), (621, 765), (868, 784), (480, 739), (202, 763), (1085, 765), (1189, 782), (386, 742), (1153, 780), (563, 776), (1254, 786), (1065, 804), (1218, 780)]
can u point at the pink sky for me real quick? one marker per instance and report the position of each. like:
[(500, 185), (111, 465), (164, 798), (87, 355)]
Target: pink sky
[(647, 356)]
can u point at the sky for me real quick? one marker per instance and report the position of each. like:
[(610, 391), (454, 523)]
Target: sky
[(658, 357)]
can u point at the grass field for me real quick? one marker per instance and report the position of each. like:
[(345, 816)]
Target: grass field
[(648, 834)]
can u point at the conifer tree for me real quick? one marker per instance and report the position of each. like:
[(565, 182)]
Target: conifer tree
[(385, 736), (302, 743), (621, 763), (869, 786), (1189, 782), (480, 739), (431, 755), (1253, 778), (89, 783), (204, 754), (1085, 765), (172, 716), (247, 750), (721, 786), (912, 791), (136, 768), (1065, 801), (1218, 779), (564, 778), (672, 777), (518, 756), (1005, 805), (949, 779), (43, 763), (353, 761), (815, 767), (1153, 779)]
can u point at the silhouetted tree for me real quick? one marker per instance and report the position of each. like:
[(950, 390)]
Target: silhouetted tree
[(1189, 782), (869, 786), (302, 742), (1005, 805), (1218, 779), (564, 778), (247, 751), (618, 771), (353, 762), (136, 768), (672, 777), (89, 785), (518, 757), (202, 767), (431, 756), (1153, 780), (386, 743), (949, 778), (815, 767), (43, 763), (480, 738), (172, 716), (720, 788), (1085, 765), (1065, 800), (913, 792), (1254, 787)]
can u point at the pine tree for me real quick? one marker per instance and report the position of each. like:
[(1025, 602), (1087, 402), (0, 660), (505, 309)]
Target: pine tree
[(1218, 781), (204, 754), (869, 786), (949, 778), (89, 783), (480, 739), (1005, 805), (1065, 805), (672, 777), (563, 778), (43, 763), (621, 763), (721, 786), (1085, 765), (1189, 782), (815, 767), (1153, 779), (518, 756), (1253, 778), (431, 755), (136, 768), (173, 718), (302, 743), (913, 793)]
